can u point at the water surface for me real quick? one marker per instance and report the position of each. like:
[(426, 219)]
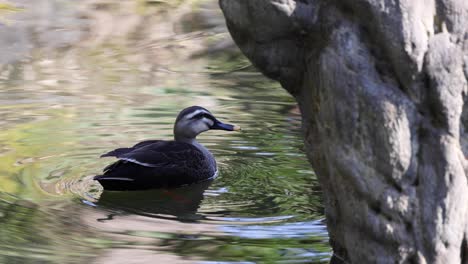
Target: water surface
[(74, 87)]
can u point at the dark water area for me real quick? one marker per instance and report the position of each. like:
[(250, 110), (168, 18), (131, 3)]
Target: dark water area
[(78, 79)]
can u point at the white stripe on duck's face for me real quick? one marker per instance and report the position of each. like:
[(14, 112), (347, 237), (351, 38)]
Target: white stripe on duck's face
[(196, 112), (193, 123)]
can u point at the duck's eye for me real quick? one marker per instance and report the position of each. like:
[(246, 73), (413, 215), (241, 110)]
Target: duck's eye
[(201, 115)]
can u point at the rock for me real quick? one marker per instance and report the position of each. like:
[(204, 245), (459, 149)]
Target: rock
[(382, 87)]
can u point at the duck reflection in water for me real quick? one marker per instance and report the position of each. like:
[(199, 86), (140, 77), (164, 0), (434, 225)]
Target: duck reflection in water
[(181, 203)]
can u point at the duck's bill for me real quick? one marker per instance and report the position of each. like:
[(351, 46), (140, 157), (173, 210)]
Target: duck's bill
[(228, 127)]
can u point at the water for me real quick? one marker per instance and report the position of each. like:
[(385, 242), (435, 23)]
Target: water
[(69, 92)]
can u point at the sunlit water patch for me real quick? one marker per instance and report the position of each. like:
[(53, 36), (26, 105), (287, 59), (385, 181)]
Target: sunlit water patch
[(61, 108)]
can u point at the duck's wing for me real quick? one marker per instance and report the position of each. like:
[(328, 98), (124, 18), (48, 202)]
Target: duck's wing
[(160, 164), (121, 151), (164, 154)]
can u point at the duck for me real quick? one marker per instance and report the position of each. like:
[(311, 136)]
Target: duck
[(153, 164)]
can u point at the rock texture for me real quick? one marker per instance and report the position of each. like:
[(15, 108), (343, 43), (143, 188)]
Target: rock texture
[(382, 88)]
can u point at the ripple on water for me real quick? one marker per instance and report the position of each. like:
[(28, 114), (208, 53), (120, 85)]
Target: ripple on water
[(56, 121), (261, 198), (285, 230)]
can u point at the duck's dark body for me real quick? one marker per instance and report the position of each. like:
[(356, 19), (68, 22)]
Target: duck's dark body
[(161, 164), (157, 164)]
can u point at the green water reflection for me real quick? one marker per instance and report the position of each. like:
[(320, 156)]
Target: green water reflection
[(78, 87)]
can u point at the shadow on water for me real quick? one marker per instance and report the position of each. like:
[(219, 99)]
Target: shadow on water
[(182, 203)]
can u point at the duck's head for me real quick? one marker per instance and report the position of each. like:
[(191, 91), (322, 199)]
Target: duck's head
[(194, 120)]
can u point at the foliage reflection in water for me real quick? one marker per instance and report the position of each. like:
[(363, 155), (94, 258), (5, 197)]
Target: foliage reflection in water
[(61, 109)]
